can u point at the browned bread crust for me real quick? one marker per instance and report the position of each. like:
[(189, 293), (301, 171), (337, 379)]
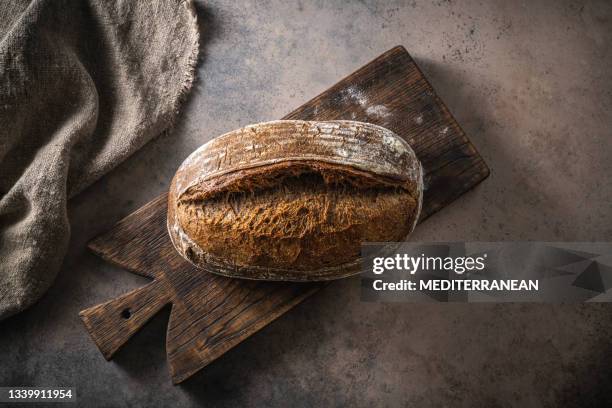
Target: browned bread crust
[(293, 200)]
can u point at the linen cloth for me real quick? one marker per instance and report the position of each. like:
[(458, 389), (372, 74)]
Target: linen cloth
[(83, 84)]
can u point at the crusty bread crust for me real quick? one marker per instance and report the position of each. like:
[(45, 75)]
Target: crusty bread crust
[(293, 200)]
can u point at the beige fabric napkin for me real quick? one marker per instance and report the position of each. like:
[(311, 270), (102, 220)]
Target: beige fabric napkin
[(83, 84)]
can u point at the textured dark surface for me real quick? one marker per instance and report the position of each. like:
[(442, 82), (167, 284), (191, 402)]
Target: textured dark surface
[(529, 83)]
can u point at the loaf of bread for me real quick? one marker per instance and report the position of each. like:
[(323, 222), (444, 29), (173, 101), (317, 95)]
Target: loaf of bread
[(293, 200)]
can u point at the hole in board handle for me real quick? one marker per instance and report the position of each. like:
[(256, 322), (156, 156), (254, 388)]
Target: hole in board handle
[(126, 313)]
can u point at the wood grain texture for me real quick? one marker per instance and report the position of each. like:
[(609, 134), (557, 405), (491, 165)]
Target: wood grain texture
[(211, 314)]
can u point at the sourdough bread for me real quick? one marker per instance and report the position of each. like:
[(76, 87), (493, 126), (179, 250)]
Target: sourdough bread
[(293, 200)]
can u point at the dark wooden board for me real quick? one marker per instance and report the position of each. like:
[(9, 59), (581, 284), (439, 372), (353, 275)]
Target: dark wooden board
[(211, 314)]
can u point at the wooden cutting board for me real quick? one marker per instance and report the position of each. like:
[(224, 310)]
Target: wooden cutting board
[(211, 314)]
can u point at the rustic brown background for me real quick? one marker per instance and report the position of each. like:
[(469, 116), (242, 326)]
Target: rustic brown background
[(530, 84)]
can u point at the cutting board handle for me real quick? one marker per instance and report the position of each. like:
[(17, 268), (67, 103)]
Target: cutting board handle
[(111, 324)]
